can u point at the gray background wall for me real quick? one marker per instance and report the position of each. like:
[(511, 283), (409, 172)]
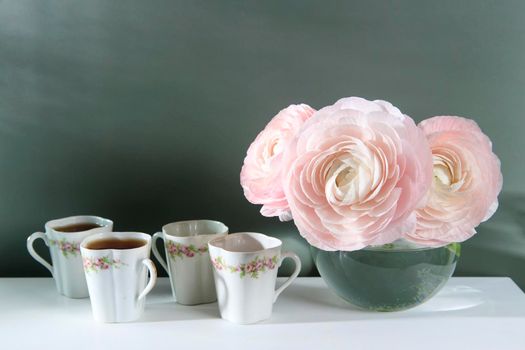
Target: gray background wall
[(141, 111)]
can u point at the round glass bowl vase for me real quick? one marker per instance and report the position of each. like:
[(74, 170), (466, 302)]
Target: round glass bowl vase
[(390, 277)]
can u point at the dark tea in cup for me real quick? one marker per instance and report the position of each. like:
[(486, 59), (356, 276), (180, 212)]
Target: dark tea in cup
[(77, 227), (115, 243)]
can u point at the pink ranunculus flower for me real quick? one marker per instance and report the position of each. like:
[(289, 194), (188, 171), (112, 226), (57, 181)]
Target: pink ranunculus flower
[(261, 172), (355, 173), (467, 181)]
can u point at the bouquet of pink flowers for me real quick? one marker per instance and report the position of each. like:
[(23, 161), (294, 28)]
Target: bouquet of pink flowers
[(361, 173)]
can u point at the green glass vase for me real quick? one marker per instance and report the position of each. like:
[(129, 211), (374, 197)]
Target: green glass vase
[(391, 277)]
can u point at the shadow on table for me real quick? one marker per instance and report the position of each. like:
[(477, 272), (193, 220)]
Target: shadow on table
[(161, 307), (460, 300), (171, 311), (315, 304)]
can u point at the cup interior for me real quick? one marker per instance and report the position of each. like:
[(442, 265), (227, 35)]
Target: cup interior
[(76, 220), (246, 242), (193, 228), (116, 241)]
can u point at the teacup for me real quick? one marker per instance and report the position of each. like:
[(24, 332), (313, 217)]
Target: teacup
[(188, 261), (116, 266), (63, 237), (245, 272)]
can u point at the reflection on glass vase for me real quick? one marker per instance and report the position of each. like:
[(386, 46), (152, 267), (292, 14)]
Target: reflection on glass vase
[(390, 277)]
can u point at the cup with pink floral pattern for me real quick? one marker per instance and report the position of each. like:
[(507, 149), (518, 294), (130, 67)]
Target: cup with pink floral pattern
[(187, 259), (116, 266), (64, 248), (245, 272)]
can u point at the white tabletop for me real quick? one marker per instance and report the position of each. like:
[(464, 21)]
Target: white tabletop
[(469, 313)]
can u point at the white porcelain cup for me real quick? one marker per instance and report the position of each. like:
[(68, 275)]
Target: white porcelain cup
[(245, 272), (188, 261), (64, 247), (117, 277)]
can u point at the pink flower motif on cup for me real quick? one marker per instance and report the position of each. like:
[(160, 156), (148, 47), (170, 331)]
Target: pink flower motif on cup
[(67, 248), (252, 268), (355, 173), (101, 264), (261, 172), (467, 181), (177, 250)]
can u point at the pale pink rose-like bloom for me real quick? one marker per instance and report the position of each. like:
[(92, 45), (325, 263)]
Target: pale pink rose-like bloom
[(261, 177), (87, 263), (467, 181), (355, 173), (217, 264)]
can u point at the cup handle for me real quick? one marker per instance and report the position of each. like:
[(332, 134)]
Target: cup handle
[(152, 278), (294, 274), (156, 252), (34, 254)]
